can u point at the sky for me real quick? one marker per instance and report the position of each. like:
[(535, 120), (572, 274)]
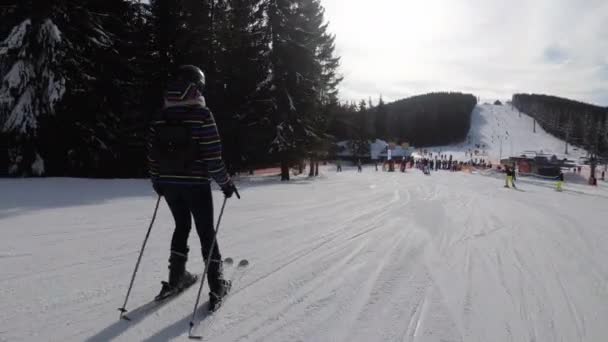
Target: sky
[(493, 49)]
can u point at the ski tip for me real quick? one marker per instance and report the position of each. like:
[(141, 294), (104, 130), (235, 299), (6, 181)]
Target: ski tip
[(243, 263), (193, 337)]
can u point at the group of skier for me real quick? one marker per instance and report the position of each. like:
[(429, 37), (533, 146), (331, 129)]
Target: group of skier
[(511, 177), (426, 165)]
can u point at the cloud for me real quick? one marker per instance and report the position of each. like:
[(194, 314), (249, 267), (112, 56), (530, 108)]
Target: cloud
[(555, 54), (491, 48)]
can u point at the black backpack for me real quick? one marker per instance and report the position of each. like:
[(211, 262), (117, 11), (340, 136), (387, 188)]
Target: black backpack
[(174, 149)]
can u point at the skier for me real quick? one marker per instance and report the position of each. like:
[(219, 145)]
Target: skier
[(185, 153), (560, 181), (510, 175), (338, 165), (359, 167)]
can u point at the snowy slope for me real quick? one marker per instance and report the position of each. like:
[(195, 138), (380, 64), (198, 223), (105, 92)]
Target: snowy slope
[(490, 124), (349, 257)]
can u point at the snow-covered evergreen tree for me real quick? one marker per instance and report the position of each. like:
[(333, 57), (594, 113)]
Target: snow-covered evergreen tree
[(301, 62), (32, 83), (241, 99), (65, 84), (80, 78)]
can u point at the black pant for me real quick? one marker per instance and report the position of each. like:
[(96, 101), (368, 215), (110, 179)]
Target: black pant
[(185, 202)]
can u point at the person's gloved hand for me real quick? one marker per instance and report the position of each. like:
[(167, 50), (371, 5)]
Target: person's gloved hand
[(229, 189), (157, 189)]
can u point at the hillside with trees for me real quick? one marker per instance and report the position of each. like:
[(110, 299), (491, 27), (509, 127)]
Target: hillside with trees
[(577, 123), (425, 120)]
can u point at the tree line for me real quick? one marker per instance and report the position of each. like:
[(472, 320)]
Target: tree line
[(432, 119), (577, 123), (81, 78)]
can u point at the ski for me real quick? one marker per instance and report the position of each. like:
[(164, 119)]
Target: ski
[(154, 305), (234, 278)]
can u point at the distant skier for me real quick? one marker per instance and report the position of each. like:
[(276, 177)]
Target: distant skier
[(185, 153), (560, 181), (593, 181), (510, 180), (338, 165), (359, 166)]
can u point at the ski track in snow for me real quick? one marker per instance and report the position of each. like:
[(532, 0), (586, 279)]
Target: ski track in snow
[(350, 257), (347, 257)]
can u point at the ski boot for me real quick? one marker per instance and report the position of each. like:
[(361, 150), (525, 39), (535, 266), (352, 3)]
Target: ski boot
[(216, 298), (169, 290), (179, 278)]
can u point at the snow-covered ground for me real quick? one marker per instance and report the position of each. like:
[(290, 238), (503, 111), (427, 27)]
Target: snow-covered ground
[(490, 124), (347, 257)]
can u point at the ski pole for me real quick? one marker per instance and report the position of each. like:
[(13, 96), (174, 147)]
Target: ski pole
[(200, 288), (123, 309)]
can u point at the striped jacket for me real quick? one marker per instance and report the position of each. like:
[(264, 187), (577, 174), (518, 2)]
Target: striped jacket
[(202, 126)]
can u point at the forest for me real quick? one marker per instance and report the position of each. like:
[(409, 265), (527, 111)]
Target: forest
[(580, 124), (577, 123), (433, 119), (80, 79)]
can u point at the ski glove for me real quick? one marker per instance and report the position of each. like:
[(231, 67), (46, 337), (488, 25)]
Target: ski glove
[(229, 189)]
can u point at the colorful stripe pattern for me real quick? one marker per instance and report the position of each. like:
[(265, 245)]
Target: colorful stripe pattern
[(204, 131)]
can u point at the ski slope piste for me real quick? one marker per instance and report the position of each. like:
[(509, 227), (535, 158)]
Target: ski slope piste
[(371, 256), (502, 131)]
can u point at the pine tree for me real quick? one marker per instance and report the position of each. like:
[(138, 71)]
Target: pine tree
[(290, 58), (243, 71), (98, 83), (166, 34), (32, 83), (303, 76), (381, 119), (66, 122), (362, 106), (324, 78), (129, 78)]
